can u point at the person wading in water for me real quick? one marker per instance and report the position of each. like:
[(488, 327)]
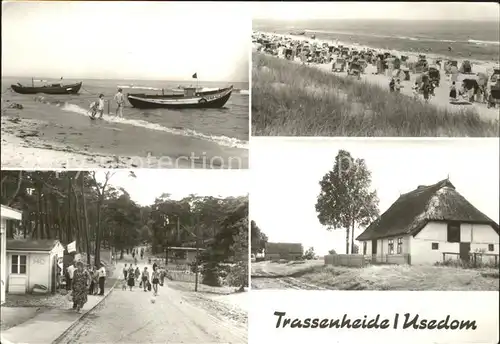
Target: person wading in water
[(120, 102)]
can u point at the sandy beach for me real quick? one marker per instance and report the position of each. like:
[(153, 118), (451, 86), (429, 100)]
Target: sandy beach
[(42, 135), (441, 98)]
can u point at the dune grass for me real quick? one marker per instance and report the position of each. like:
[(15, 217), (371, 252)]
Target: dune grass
[(289, 99)]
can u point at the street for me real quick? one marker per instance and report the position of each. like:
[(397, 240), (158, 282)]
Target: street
[(130, 317)]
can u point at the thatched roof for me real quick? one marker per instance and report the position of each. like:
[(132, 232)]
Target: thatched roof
[(413, 210)]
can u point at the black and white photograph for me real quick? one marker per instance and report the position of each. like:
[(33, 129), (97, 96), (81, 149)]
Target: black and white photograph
[(124, 256), (365, 69), (119, 84), (384, 214)]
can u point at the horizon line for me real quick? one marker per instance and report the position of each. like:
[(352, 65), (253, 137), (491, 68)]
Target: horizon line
[(122, 79), (395, 19)]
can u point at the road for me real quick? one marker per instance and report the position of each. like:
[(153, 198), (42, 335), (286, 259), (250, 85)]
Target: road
[(268, 275), (130, 317)]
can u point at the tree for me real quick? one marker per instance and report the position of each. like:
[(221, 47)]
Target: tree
[(355, 249), (259, 239), (309, 254), (332, 251), (345, 200)]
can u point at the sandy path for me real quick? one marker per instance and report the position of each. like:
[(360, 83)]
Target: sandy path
[(130, 317)]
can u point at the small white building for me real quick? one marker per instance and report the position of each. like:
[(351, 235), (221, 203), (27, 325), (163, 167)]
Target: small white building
[(32, 264), (431, 224), (7, 213)]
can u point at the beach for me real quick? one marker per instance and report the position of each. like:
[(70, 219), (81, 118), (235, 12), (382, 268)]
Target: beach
[(475, 40), (56, 132), (440, 100)]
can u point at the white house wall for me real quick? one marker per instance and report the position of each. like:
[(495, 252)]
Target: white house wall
[(436, 232), (3, 259)]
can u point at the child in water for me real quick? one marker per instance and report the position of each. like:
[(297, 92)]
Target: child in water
[(97, 107)]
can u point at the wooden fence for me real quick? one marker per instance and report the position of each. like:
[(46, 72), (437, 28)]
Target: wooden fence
[(474, 258), (353, 260)]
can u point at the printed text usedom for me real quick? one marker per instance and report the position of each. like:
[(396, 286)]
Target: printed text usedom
[(407, 321)]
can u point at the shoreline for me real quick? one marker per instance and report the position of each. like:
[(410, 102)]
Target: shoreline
[(475, 62), (36, 144), (368, 47)]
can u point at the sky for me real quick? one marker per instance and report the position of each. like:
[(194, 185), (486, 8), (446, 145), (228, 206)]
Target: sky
[(151, 184), (376, 10), (126, 40), (285, 179)]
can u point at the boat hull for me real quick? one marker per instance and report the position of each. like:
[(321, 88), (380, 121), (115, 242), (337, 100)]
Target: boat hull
[(203, 100), (65, 89)]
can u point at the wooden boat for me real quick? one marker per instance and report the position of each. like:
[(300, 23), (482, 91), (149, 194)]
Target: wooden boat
[(183, 98), (48, 89)]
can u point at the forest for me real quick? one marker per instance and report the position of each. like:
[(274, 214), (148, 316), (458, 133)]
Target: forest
[(80, 206)]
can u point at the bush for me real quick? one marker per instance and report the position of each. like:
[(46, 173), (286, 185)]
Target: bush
[(309, 254), (238, 275)]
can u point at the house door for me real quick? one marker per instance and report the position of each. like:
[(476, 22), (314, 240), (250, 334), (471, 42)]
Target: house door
[(374, 247), (464, 251)]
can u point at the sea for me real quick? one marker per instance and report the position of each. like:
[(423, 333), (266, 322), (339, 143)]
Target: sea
[(476, 40), (227, 126)]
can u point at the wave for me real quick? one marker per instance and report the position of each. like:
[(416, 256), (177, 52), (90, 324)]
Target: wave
[(478, 42), (220, 140), (420, 39), (245, 92)]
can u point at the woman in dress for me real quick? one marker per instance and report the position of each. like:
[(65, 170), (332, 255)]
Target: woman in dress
[(137, 273), (81, 281), (155, 277), (131, 277)]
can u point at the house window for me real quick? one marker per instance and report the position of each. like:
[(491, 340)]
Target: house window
[(400, 245), (491, 247), (364, 247), (391, 246), (453, 232), (18, 264), (435, 246)]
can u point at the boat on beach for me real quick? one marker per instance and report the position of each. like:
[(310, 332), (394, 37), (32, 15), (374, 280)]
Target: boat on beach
[(56, 88), (182, 98)]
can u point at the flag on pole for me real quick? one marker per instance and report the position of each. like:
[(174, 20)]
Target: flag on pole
[(195, 76), (71, 247)]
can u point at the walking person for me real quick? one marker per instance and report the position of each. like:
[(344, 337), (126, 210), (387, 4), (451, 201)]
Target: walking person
[(391, 85), (125, 271), (120, 102), (81, 280), (155, 277), (131, 277), (137, 273), (69, 276), (145, 278), (163, 274), (93, 285), (453, 92), (102, 279)]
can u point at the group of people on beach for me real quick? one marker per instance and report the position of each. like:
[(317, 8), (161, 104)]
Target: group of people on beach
[(474, 87), (82, 281), (97, 107), (132, 275)]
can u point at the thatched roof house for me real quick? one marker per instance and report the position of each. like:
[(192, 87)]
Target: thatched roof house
[(427, 222), (413, 210)]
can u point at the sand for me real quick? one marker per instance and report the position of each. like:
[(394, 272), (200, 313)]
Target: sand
[(43, 136)]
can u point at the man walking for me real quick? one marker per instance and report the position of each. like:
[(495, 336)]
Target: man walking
[(125, 271), (102, 278), (120, 102)]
